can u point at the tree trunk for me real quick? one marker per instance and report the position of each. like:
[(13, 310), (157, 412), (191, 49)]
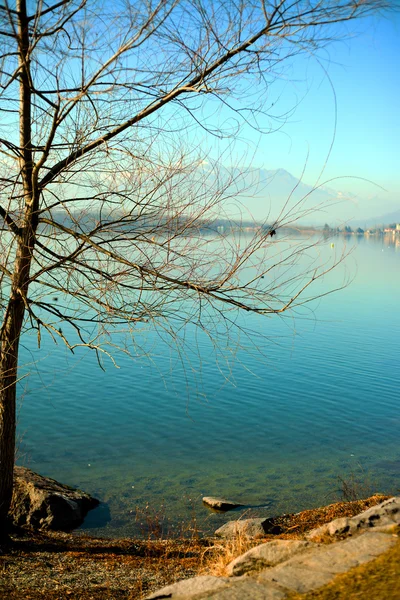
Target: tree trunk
[(7, 445), (10, 334)]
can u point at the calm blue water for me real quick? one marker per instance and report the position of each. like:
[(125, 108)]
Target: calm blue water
[(307, 399)]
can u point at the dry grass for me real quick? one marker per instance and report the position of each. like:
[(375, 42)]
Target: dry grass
[(216, 558)]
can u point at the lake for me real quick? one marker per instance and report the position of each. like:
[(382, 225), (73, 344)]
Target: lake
[(307, 405)]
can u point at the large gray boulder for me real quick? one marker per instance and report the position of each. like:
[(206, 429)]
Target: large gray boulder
[(219, 588), (383, 515), (318, 566), (266, 555), (188, 588), (43, 503)]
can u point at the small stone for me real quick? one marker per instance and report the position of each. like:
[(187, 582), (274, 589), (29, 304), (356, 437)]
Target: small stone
[(250, 528)]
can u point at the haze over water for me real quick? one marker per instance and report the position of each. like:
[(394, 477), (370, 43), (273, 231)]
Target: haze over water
[(319, 402)]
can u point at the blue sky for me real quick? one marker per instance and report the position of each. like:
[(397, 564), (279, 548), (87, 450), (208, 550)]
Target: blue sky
[(364, 70)]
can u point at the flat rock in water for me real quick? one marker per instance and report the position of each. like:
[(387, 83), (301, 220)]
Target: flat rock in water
[(220, 504), (43, 503)]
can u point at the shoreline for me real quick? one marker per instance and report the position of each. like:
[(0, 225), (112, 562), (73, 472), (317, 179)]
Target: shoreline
[(55, 565)]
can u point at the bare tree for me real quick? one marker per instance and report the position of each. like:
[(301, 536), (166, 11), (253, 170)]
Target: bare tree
[(103, 205)]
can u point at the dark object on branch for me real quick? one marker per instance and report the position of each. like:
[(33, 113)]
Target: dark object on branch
[(272, 232)]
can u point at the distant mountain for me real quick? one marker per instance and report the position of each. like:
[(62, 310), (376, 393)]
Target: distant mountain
[(274, 195), (386, 219)]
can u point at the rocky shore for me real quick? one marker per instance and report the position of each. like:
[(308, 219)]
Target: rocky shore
[(251, 559)]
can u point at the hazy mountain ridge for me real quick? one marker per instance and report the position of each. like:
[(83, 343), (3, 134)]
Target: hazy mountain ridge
[(278, 195), (386, 219)]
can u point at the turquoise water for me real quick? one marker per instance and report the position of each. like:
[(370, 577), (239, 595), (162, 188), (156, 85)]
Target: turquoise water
[(304, 401)]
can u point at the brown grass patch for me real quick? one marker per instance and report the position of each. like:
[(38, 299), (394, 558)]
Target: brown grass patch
[(57, 566)]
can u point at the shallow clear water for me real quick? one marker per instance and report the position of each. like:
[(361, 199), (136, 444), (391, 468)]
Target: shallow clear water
[(316, 402)]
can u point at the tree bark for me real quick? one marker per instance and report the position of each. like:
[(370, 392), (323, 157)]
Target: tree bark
[(8, 379)]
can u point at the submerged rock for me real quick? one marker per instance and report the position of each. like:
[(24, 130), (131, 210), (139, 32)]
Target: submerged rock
[(220, 504), (43, 503)]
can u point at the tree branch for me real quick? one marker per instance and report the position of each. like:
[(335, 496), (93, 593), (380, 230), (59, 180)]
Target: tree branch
[(12, 225)]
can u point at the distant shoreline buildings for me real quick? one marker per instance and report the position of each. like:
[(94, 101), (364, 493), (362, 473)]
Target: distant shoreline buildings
[(393, 229)]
